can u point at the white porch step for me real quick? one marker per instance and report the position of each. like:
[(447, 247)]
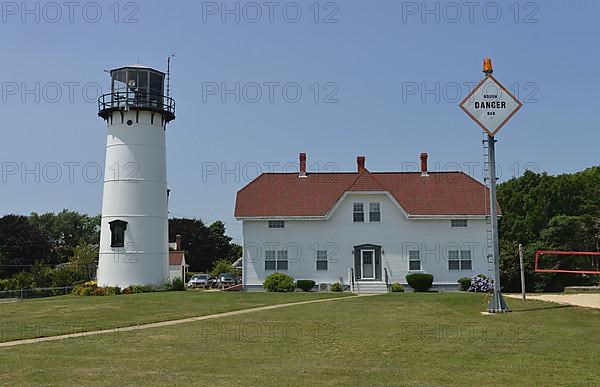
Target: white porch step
[(376, 287)]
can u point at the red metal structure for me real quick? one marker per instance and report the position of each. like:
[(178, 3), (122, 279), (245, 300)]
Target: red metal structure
[(539, 253)]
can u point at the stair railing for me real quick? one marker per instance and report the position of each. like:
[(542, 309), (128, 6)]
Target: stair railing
[(387, 279)]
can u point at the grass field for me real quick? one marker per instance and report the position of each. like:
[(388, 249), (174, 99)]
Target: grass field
[(68, 314), (395, 339)]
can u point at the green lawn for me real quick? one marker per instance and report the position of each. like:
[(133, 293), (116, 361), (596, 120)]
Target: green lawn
[(395, 339), (68, 314)]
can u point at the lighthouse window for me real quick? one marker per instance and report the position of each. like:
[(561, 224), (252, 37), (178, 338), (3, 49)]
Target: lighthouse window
[(119, 80), (117, 233), (156, 84)]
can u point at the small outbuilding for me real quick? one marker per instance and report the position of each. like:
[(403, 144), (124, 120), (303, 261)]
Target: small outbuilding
[(177, 264)]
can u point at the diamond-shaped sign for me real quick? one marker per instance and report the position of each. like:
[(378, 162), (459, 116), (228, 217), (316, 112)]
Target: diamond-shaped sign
[(490, 105)]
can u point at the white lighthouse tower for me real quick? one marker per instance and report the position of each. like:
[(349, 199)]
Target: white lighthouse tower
[(134, 230)]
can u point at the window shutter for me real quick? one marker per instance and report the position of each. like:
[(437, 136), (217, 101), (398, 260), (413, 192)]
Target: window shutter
[(357, 272), (378, 263)]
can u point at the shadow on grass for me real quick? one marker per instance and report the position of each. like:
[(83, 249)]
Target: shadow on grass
[(540, 308)]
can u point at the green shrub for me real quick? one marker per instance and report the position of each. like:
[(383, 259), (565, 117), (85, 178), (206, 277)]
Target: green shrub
[(420, 282), (397, 288), (41, 276), (83, 290), (223, 266), (140, 289), (76, 290), (99, 292), (465, 283), (279, 282), (112, 290), (86, 291), (176, 285), (336, 287), (305, 285), (64, 276)]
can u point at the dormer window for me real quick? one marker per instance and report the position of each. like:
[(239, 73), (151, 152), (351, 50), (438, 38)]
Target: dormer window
[(117, 233)]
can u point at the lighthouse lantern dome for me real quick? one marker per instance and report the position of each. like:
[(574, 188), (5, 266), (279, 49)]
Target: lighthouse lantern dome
[(137, 87)]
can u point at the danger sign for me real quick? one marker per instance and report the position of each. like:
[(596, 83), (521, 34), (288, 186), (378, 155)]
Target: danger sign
[(490, 105)]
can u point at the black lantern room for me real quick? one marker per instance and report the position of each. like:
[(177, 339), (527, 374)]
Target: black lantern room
[(137, 87)]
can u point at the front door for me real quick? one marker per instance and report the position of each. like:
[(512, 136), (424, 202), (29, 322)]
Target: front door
[(367, 261)]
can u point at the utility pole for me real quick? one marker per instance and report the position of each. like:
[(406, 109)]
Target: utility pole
[(522, 272)]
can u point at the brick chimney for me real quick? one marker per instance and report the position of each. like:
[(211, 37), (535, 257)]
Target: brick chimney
[(302, 165), (178, 242), (424, 164), (360, 163)]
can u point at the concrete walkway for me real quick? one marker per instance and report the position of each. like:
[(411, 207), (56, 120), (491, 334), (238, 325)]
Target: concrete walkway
[(172, 322), (585, 300)]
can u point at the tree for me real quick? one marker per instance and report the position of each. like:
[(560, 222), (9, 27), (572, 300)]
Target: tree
[(22, 244), (83, 259), (509, 266), (66, 230), (221, 243), (195, 240), (203, 245), (236, 251), (529, 202), (549, 212), (3, 262), (572, 233)]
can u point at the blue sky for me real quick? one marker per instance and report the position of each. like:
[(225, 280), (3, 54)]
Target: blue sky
[(390, 75)]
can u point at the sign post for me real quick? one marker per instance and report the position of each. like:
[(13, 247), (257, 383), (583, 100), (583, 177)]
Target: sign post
[(491, 105)]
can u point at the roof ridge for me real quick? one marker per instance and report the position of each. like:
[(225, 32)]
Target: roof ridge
[(351, 173)]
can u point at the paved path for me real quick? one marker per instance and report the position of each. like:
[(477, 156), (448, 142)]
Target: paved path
[(172, 322), (585, 300)]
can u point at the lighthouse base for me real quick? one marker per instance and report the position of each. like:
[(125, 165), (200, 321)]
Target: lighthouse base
[(127, 268)]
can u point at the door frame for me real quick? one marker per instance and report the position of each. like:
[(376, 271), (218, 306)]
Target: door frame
[(362, 264)]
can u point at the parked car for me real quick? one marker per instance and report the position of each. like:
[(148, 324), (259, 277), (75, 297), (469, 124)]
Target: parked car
[(225, 280), (213, 282), (199, 281)]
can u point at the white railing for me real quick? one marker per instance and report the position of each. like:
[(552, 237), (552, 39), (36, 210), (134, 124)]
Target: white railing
[(352, 280)]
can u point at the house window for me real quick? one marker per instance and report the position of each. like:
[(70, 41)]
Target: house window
[(117, 233), (457, 223), (359, 212), (276, 260), (276, 224), (374, 212), (465, 260), (460, 260), (321, 259), (270, 260), (414, 260), (282, 260)]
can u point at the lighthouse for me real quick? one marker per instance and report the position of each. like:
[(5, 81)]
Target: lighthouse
[(134, 229)]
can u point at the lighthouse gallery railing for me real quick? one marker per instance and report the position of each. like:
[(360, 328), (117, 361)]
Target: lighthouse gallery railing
[(136, 100)]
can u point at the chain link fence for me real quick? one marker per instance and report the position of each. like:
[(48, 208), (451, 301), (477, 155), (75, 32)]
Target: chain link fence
[(23, 294)]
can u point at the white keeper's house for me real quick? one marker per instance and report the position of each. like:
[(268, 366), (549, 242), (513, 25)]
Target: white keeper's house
[(364, 229)]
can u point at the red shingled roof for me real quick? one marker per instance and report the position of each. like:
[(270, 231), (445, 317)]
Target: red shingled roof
[(286, 194), (175, 258)]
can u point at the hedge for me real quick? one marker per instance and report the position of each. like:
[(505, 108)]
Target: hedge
[(420, 282)]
